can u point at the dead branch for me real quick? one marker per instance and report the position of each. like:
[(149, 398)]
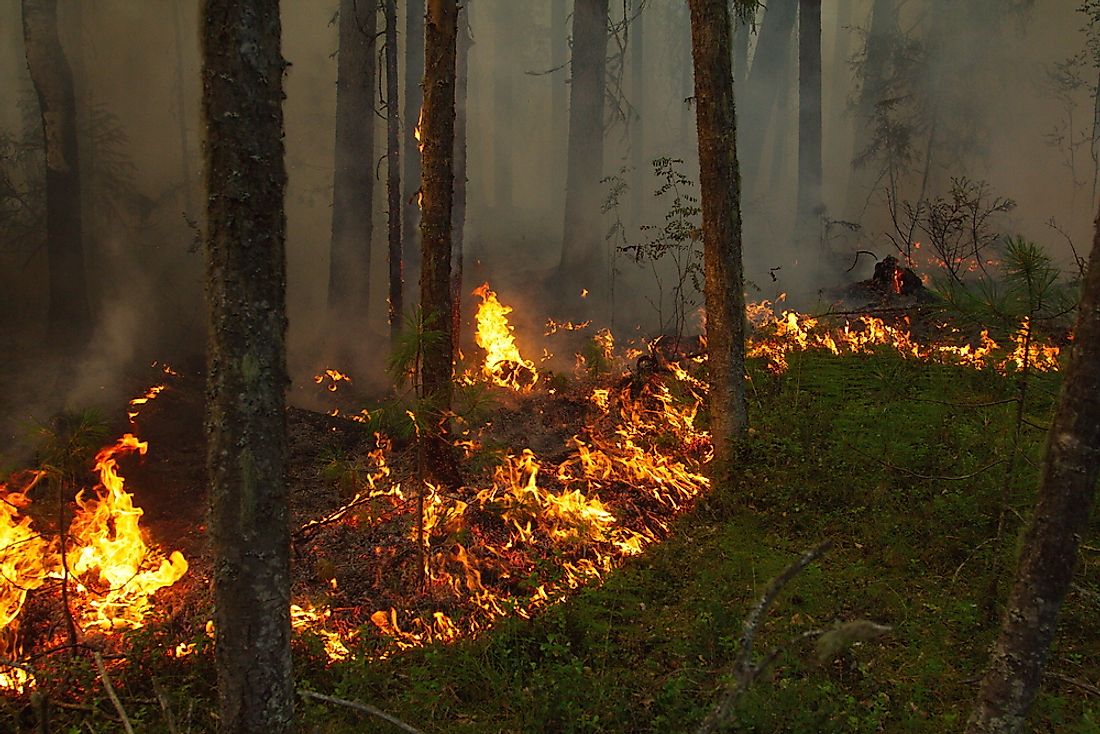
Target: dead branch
[(1086, 687), (365, 708), (111, 693), (929, 477), (162, 697), (745, 672)]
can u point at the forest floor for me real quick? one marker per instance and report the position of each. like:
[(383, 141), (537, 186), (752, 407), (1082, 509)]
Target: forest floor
[(881, 454)]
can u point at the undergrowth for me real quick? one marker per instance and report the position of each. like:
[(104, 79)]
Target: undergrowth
[(887, 457)]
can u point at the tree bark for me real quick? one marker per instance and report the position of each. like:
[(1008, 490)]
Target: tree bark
[(637, 93), (559, 49), (393, 177), (437, 189), (458, 213), (809, 207), (1066, 495), (69, 320), (247, 376), (414, 99), (353, 182), (582, 238), (766, 81), (720, 186)]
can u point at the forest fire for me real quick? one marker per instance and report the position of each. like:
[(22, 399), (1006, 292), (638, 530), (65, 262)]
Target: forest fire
[(503, 365), (101, 561)]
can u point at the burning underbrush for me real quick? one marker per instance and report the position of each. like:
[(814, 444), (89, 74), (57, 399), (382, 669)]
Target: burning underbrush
[(566, 475)]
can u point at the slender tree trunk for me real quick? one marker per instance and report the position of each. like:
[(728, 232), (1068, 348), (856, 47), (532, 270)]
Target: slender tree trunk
[(741, 33), (246, 376), (437, 189), (69, 321), (882, 35), (809, 207), (458, 214), (393, 176), (767, 79), (1066, 495), (414, 98), (504, 101), (559, 48), (187, 198), (637, 93), (353, 182), (582, 245), (720, 186)]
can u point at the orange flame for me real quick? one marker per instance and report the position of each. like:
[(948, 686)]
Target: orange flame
[(504, 365)]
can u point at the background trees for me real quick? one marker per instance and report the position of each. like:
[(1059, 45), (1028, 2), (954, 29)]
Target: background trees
[(69, 318), (246, 363)]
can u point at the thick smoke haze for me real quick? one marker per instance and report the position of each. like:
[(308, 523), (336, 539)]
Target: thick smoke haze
[(137, 71)]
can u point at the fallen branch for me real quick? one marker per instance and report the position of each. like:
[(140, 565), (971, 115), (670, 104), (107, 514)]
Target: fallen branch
[(365, 708), (1086, 687), (111, 693), (929, 477), (745, 672)]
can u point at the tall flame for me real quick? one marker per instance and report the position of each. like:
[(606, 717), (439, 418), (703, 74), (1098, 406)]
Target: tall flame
[(504, 365)]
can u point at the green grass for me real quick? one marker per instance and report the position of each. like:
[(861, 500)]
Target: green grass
[(841, 448)]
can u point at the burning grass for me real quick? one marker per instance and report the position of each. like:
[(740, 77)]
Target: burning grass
[(570, 479)]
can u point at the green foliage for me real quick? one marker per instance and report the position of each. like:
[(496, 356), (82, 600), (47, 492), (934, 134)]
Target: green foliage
[(66, 444), (404, 361)]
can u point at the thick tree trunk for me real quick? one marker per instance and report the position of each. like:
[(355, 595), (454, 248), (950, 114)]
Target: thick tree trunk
[(393, 176), (353, 182), (766, 81), (809, 207), (582, 260), (1066, 494), (247, 378), (720, 186), (437, 189), (414, 98), (458, 213), (69, 321)]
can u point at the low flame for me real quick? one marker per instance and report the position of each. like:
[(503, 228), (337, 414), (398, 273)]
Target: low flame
[(333, 377)]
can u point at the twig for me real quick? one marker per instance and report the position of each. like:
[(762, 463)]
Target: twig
[(365, 708), (111, 693), (332, 517), (744, 671), (1086, 687), (929, 477), (990, 404), (162, 697)]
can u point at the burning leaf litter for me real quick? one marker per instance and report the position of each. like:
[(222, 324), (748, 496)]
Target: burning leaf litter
[(517, 538)]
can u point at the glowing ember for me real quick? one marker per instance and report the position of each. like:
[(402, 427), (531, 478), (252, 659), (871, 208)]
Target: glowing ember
[(504, 365)]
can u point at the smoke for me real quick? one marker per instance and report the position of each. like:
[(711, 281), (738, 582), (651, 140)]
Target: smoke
[(148, 285)]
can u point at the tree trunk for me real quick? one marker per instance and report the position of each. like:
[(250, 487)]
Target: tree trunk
[(187, 199), (69, 321), (353, 182), (582, 238), (637, 94), (559, 49), (393, 176), (881, 37), (458, 214), (720, 186), (414, 98), (809, 207), (246, 376), (1066, 494), (766, 81), (437, 189), (506, 28)]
